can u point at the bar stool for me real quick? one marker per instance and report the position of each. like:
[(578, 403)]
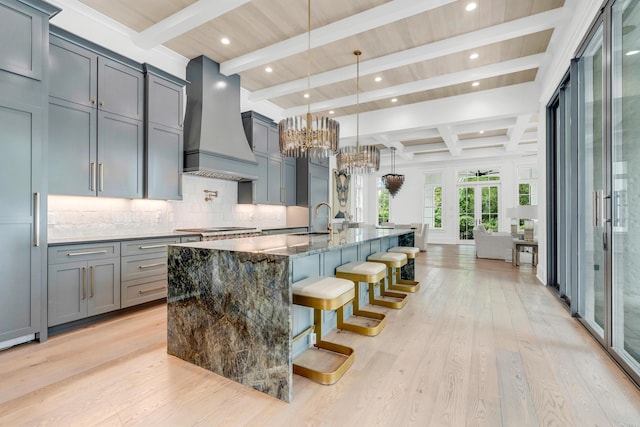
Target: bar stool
[(323, 293), (391, 260), (405, 285), (368, 272)]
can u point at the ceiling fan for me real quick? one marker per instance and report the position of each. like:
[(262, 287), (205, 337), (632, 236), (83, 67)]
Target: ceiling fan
[(480, 173)]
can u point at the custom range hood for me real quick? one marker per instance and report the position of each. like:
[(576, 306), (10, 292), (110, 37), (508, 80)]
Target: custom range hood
[(215, 143)]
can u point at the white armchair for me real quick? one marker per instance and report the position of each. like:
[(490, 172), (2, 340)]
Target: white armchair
[(421, 233), (492, 245)]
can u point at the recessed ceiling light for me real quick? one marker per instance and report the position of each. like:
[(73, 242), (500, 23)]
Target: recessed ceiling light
[(221, 85), (474, 56), (306, 95), (632, 52), (394, 100), (475, 84), (331, 112), (268, 69), (471, 6), (378, 79), (481, 132), (225, 40)]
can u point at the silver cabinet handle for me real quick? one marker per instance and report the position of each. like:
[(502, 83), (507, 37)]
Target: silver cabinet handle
[(146, 291), (101, 169), (92, 171), (87, 253), (84, 283), (160, 264), (92, 281), (153, 246), (36, 219), (595, 206)]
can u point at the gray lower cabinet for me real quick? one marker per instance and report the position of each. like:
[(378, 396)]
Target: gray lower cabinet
[(164, 136), (24, 34), (144, 270), (83, 281), (96, 132)]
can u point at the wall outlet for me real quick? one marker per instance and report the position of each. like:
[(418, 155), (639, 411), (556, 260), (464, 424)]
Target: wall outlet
[(312, 338)]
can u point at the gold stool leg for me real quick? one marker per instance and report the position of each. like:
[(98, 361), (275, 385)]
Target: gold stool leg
[(404, 285), (362, 330), (320, 376), (402, 298)]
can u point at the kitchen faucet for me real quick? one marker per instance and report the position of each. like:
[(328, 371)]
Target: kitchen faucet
[(329, 226)]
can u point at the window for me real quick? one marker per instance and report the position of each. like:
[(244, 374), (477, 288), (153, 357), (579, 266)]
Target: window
[(383, 202), (527, 188), (433, 200)]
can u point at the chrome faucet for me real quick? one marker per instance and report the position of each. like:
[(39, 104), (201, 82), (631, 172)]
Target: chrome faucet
[(329, 226)]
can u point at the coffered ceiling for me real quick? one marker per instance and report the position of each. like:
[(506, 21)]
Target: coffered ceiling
[(416, 59)]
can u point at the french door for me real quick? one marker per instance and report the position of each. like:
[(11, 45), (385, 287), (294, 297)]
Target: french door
[(478, 204), (608, 172)]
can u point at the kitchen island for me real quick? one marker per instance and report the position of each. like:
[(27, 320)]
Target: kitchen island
[(229, 303)]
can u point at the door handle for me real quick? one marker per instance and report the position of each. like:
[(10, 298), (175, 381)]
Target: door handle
[(84, 283), (36, 219), (92, 281), (101, 168), (93, 176)]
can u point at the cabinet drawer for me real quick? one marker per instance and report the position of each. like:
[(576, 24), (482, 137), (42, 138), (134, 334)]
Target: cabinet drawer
[(141, 266), (190, 239), (71, 253), (148, 246), (143, 290)]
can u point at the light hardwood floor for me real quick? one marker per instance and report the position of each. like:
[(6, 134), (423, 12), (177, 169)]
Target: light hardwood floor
[(481, 344)]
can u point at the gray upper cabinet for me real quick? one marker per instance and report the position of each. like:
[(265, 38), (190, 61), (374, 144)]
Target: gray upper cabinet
[(276, 175), (96, 132), (313, 188), (164, 134), (23, 80)]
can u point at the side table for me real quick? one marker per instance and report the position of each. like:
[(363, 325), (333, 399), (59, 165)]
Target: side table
[(518, 245)]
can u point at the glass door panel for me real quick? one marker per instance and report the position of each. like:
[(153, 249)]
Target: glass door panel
[(591, 185), (625, 176), (478, 204)]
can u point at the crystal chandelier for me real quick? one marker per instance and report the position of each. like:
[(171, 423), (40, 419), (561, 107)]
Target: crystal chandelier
[(303, 136), (393, 181), (363, 159)]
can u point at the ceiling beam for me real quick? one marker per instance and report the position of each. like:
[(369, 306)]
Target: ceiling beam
[(185, 20), (474, 39), (355, 24), (516, 132), (479, 73), (484, 125), (450, 140)]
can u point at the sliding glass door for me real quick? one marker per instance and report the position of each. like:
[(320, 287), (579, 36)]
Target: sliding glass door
[(592, 238), (625, 200)]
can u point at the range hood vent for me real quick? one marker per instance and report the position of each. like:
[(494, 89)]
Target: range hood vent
[(215, 143)]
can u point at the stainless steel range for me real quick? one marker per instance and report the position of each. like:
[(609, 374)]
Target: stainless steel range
[(221, 233)]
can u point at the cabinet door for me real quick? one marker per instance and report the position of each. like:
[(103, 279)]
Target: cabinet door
[(273, 143), (164, 102), (260, 136), (22, 30), (72, 73), (289, 182), (120, 89), (72, 148), (274, 181), (104, 286), (318, 192), (20, 269), (120, 156), (164, 162), (67, 292), (261, 185)]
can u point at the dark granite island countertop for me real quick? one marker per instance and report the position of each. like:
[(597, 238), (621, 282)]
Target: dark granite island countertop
[(230, 303)]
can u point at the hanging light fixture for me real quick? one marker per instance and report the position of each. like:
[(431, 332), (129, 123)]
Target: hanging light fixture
[(363, 159), (393, 181), (303, 136)]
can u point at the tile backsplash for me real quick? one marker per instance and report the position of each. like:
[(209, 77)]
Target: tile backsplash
[(96, 216)]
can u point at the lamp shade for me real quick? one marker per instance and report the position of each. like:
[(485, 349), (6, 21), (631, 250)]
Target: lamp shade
[(527, 211), (512, 213)]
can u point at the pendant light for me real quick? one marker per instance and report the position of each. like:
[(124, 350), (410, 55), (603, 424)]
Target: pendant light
[(363, 159), (393, 181), (307, 136)]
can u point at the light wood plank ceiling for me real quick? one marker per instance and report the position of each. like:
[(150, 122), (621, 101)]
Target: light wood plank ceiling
[(414, 52)]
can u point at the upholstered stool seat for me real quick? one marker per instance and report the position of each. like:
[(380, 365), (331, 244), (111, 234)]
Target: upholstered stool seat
[(392, 260), (405, 285), (324, 293), (356, 272)]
